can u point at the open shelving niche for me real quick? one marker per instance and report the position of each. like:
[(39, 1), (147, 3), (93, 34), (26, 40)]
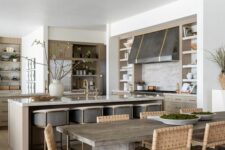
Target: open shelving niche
[(10, 70), (128, 73), (91, 59), (189, 53)]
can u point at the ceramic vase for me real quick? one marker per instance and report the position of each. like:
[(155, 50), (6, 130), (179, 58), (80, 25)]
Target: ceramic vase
[(56, 88)]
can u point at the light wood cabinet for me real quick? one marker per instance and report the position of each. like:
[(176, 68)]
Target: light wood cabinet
[(174, 102), (3, 112)]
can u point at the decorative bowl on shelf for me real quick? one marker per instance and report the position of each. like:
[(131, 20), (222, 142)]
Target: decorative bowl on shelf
[(204, 115), (176, 119)]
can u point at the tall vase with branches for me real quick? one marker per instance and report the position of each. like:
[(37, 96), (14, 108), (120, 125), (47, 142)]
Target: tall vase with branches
[(218, 56), (58, 70)]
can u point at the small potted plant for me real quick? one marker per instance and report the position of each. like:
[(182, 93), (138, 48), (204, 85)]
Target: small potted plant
[(219, 57), (140, 85)]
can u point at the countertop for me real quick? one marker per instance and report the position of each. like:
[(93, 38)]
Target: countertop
[(27, 102)]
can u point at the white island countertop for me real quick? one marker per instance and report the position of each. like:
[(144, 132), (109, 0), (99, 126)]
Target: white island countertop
[(27, 102)]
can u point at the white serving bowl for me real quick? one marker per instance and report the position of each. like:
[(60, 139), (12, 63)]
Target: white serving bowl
[(173, 121), (206, 117)]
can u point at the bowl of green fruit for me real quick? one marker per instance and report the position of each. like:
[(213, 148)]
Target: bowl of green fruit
[(204, 115), (179, 119)]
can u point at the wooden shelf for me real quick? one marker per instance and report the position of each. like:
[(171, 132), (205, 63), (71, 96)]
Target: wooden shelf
[(189, 66), (190, 52), (84, 75), (190, 37), (77, 59), (124, 59), (9, 71), (125, 49), (189, 80), (124, 81), (10, 81), (9, 61)]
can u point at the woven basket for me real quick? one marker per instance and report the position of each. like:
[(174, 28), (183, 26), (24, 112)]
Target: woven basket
[(222, 80)]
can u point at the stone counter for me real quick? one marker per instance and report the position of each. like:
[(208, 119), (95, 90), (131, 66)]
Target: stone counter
[(28, 102)]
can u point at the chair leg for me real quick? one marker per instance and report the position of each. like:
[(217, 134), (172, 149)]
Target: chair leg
[(61, 141), (45, 146)]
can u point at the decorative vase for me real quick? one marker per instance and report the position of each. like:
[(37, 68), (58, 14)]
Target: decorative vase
[(56, 88), (222, 80)]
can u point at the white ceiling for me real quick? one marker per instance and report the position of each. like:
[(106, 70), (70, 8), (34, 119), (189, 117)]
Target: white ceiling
[(19, 17)]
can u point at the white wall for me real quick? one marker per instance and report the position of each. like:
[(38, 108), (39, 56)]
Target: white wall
[(34, 52), (211, 35), (163, 14), (70, 34), (112, 62)]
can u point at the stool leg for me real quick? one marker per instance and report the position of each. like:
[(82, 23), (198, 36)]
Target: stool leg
[(67, 142), (61, 141)]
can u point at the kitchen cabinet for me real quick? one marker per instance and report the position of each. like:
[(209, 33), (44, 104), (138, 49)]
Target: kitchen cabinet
[(3, 112), (174, 102)]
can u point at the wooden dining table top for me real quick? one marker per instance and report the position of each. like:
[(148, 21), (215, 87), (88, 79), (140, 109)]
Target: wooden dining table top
[(99, 134)]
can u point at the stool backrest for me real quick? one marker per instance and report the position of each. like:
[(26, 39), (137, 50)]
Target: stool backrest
[(112, 118), (49, 138), (214, 134), (190, 110), (173, 138), (144, 115)]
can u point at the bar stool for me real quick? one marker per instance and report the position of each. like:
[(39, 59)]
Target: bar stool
[(56, 117), (119, 109), (138, 108), (85, 114)]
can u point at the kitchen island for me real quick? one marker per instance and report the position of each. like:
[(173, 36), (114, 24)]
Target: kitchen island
[(20, 113)]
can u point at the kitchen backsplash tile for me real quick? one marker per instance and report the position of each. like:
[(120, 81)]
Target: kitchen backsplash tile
[(163, 75)]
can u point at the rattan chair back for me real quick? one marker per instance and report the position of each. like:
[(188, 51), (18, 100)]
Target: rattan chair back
[(112, 118), (144, 115), (49, 137)]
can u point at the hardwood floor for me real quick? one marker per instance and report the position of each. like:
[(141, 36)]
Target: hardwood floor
[(4, 140)]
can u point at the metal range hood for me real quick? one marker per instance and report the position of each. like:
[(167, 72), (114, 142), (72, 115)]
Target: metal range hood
[(155, 47)]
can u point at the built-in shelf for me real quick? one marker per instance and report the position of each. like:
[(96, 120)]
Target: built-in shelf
[(9, 71), (77, 59), (84, 75), (189, 80), (190, 52), (125, 49), (124, 59), (190, 37), (189, 66), (9, 61), (124, 81), (10, 81)]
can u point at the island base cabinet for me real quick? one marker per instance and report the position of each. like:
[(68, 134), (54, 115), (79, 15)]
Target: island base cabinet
[(173, 103)]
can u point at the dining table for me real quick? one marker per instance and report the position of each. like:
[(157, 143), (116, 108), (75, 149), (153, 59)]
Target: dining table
[(121, 135)]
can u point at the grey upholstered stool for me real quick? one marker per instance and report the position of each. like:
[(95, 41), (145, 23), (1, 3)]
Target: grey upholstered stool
[(85, 114), (56, 117), (119, 109), (137, 108)]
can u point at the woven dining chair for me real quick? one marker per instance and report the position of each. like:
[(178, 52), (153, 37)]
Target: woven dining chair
[(49, 138), (190, 110), (144, 115), (112, 118), (171, 138), (214, 136)]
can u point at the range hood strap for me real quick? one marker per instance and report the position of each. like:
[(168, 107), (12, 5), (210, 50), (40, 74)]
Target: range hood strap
[(163, 44), (139, 48)]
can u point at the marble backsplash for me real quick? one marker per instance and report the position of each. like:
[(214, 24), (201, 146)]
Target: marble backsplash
[(163, 75)]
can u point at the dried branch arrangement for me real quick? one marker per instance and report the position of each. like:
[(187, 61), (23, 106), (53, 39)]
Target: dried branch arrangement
[(60, 69), (219, 57)]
